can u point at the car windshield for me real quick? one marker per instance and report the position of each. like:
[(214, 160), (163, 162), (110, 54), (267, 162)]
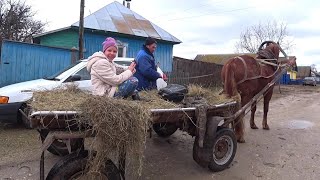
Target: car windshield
[(55, 77)]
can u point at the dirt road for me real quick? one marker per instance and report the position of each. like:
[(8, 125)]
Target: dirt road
[(290, 150)]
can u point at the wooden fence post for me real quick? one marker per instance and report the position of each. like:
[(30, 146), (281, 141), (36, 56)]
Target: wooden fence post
[(74, 55)]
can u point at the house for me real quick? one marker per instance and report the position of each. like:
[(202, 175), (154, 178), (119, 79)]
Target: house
[(126, 26)]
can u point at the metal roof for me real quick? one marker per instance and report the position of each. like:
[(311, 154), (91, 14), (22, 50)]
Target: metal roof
[(117, 18), (50, 32)]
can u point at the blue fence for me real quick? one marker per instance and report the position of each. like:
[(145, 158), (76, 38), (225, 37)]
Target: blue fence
[(23, 61), (285, 79), (296, 82)]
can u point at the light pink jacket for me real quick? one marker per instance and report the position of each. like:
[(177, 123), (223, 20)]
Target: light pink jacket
[(103, 75)]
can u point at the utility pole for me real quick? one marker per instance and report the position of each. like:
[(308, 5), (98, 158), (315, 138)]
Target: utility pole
[(81, 30)]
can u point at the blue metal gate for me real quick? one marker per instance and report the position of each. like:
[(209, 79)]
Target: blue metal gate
[(23, 61)]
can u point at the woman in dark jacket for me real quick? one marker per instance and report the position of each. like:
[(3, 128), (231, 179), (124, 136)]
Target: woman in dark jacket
[(146, 70)]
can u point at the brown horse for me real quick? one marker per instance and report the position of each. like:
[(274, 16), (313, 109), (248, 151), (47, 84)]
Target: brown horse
[(245, 76)]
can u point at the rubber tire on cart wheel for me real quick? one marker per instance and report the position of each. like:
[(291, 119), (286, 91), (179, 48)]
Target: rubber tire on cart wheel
[(60, 148), (165, 129), (74, 165), (224, 149)]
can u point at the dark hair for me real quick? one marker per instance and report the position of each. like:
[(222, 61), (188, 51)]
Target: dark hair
[(149, 41)]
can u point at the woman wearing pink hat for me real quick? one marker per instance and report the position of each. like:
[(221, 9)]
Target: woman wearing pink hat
[(103, 70)]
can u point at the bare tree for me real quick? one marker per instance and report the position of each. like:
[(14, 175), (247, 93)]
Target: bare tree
[(254, 35), (17, 21)]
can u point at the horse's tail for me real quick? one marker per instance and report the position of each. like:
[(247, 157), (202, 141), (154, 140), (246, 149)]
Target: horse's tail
[(229, 84)]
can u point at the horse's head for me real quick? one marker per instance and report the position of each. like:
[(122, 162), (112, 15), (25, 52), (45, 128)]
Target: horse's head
[(271, 51), (275, 49)]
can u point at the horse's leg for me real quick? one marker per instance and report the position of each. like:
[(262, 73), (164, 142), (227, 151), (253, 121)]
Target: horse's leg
[(266, 100), (253, 111)]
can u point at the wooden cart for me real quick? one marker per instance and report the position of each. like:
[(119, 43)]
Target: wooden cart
[(214, 147)]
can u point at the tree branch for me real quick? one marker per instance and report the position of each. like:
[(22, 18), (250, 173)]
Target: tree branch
[(254, 35)]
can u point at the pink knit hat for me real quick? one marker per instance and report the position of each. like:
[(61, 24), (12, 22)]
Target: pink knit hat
[(108, 42)]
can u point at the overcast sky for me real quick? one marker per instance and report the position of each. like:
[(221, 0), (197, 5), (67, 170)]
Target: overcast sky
[(206, 26)]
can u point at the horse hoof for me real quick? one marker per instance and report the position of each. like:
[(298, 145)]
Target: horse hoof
[(266, 127), (254, 127)]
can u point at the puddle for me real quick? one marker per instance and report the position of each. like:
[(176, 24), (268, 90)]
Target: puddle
[(300, 124)]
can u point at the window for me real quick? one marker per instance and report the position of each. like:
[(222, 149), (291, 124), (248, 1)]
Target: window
[(121, 52), (84, 74), (122, 49)]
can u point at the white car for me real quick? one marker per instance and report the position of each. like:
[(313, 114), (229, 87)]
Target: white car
[(13, 97)]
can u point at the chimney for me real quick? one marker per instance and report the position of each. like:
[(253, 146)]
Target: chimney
[(128, 3)]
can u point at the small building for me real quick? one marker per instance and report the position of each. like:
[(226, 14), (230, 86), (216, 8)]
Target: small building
[(303, 71), (115, 20)]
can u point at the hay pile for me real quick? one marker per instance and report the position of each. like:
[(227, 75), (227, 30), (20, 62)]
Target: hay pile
[(117, 123), (71, 98), (210, 95), (64, 98)]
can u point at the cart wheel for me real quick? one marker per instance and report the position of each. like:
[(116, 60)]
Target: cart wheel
[(73, 166), (224, 149), (58, 147), (165, 129)]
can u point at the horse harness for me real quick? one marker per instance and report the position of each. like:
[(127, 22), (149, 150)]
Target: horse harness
[(260, 62)]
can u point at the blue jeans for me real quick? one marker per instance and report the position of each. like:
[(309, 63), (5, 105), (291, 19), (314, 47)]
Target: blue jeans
[(127, 88)]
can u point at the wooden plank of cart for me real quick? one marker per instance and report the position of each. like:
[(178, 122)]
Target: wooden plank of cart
[(214, 146)]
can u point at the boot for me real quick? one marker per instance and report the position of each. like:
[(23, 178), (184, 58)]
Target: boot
[(135, 96)]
